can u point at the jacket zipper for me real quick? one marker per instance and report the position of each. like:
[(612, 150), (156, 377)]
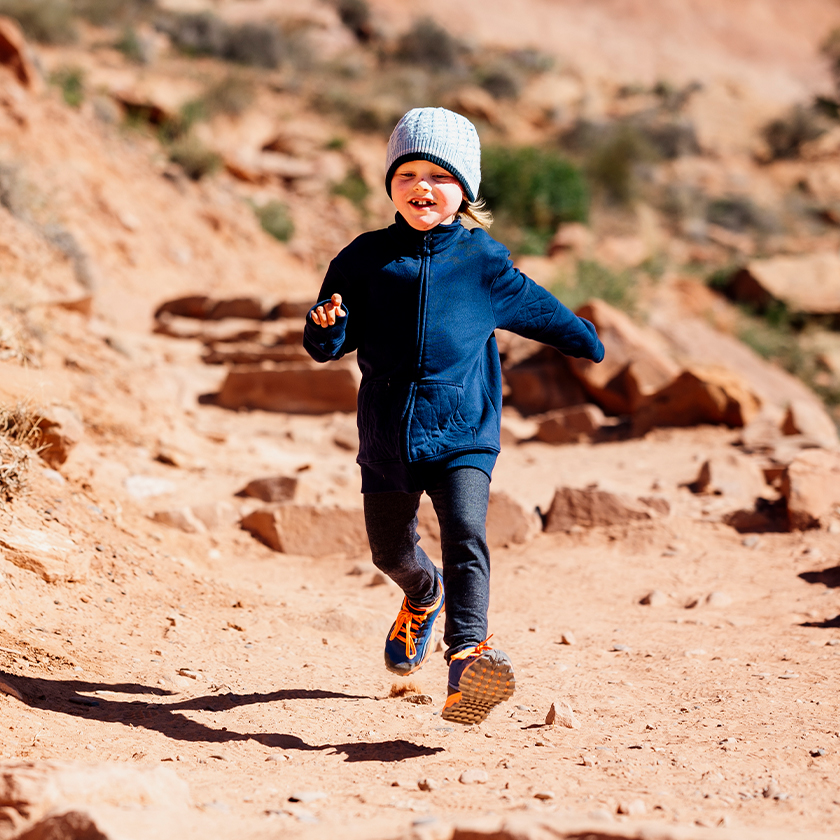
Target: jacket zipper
[(425, 260)]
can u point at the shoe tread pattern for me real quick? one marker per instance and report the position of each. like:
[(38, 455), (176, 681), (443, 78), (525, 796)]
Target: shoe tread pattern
[(484, 684)]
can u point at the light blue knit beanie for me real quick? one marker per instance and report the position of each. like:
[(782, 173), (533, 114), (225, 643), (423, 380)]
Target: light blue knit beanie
[(442, 137)]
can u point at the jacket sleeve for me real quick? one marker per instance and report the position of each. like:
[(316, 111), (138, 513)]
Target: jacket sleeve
[(526, 308), (327, 343)]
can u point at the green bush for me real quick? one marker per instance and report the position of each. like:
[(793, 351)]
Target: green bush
[(203, 33), (785, 135), (533, 189), (428, 44), (233, 95), (45, 21), (353, 187), (194, 158), (130, 46), (111, 12), (275, 220), (612, 163), (71, 81)]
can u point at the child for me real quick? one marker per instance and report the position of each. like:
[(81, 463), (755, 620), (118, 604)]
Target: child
[(419, 301)]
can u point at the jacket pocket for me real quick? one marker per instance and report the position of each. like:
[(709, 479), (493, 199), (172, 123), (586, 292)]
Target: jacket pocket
[(437, 422)]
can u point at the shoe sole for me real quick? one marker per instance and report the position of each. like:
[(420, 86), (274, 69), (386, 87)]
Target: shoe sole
[(416, 665), (484, 684)]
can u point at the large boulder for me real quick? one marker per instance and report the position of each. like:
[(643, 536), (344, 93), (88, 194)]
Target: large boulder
[(309, 530), (294, 388), (811, 485), (589, 507), (570, 425), (809, 283), (542, 381), (635, 364), (696, 396)]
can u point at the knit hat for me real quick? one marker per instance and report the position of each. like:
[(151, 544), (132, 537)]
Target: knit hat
[(442, 137)]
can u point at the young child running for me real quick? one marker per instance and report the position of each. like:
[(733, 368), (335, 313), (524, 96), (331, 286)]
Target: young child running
[(419, 301)]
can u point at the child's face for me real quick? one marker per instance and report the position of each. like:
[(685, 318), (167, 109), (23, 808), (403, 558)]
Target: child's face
[(425, 194)]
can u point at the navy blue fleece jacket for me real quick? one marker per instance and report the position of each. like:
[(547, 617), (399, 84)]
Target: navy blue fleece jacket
[(421, 309)]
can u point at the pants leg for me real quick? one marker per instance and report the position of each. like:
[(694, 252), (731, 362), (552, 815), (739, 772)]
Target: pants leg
[(391, 522), (461, 498)]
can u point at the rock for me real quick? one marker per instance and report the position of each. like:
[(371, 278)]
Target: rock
[(654, 598), (718, 599), (476, 103), (569, 425), (301, 529), (427, 784), (278, 488), (14, 54), (568, 638), (699, 395), (811, 486), (809, 283), (730, 474), (146, 486), (542, 381), (419, 699), (33, 791), (215, 515), (294, 388), (474, 776), (634, 808), (765, 516), (811, 421), (508, 522), (544, 795), (561, 714), (61, 429), (635, 366), (53, 557), (572, 237), (181, 518), (590, 508)]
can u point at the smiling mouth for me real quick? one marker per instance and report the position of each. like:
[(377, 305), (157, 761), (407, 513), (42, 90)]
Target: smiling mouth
[(422, 202)]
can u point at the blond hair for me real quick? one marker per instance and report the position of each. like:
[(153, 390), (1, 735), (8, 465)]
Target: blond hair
[(476, 212)]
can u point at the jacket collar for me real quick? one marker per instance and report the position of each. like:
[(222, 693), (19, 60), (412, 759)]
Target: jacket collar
[(438, 238)]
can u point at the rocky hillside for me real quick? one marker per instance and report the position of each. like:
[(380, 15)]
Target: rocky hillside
[(183, 653)]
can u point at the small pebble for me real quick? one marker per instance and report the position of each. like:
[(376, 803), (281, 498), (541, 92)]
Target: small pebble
[(818, 752), (772, 790), (561, 714), (789, 675), (545, 795), (188, 672), (567, 639), (718, 599), (620, 648), (751, 541), (654, 598), (473, 776), (635, 808), (428, 784), (418, 699), (307, 796)]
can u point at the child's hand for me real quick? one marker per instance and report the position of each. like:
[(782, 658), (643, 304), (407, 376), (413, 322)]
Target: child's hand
[(325, 315)]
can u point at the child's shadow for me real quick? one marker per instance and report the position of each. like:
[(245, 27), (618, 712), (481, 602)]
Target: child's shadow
[(65, 697)]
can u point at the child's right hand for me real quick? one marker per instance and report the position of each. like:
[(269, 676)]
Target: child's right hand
[(324, 316)]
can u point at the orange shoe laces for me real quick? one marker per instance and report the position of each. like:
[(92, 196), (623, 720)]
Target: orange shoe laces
[(403, 625), (480, 648)]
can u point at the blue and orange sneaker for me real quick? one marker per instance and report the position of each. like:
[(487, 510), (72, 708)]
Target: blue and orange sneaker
[(479, 679), (410, 641)]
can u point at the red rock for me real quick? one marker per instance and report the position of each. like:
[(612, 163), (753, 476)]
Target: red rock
[(295, 388), (731, 474), (699, 395), (811, 421), (634, 367), (52, 556), (277, 488), (590, 508), (61, 430), (508, 522), (308, 530), (570, 425), (574, 237), (14, 54), (811, 485), (809, 283), (542, 382)]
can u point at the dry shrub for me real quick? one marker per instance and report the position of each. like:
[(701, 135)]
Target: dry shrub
[(20, 441)]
